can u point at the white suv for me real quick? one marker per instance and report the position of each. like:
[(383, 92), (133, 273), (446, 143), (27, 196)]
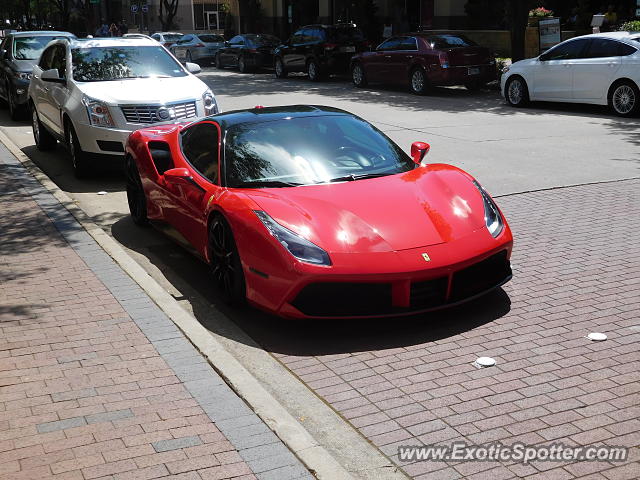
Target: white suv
[(92, 93)]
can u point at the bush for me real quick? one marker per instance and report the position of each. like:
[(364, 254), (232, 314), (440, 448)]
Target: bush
[(632, 26)]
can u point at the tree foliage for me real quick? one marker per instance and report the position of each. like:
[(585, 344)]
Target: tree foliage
[(167, 13)]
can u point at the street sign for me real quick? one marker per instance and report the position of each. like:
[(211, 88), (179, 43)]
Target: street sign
[(134, 8), (145, 8)]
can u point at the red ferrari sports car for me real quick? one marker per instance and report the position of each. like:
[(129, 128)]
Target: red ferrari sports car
[(312, 212)]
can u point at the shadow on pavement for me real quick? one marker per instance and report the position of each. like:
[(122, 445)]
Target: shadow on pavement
[(300, 337)]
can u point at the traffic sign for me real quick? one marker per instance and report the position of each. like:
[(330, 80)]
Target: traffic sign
[(145, 8), (134, 8)]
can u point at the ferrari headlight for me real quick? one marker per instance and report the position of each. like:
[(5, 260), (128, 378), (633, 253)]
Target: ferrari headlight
[(22, 75), (299, 247), (210, 104), (492, 217), (99, 114)]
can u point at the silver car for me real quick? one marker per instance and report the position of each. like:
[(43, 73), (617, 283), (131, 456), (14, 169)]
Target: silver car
[(197, 48)]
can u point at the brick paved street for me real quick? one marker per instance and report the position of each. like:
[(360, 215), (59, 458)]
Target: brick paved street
[(576, 270), (95, 382)]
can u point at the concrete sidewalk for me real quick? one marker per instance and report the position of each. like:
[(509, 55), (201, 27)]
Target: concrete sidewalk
[(95, 380)]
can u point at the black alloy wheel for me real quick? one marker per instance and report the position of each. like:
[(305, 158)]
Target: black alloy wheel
[(281, 72), (242, 64), (78, 156), (135, 194), (224, 261), (44, 140), (357, 75)]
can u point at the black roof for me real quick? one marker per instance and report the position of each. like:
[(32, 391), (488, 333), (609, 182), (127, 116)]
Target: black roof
[(269, 114)]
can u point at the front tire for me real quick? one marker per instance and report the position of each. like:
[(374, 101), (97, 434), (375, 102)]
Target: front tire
[(281, 72), (357, 75), (313, 69), (242, 65), (135, 194), (224, 261), (78, 156), (516, 92), (44, 140), (418, 81), (624, 99), (218, 61)]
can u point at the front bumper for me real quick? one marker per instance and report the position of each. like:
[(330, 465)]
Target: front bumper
[(390, 284), (20, 91)]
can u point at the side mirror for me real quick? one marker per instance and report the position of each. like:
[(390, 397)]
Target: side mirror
[(52, 75), (179, 176), (192, 67), (226, 43), (418, 151), (3, 54), (543, 57)]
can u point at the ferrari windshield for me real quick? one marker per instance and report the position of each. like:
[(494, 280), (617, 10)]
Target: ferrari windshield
[(100, 64), (309, 150)]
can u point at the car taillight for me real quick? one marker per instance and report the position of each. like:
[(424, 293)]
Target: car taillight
[(330, 46), (199, 45), (252, 50), (444, 60)]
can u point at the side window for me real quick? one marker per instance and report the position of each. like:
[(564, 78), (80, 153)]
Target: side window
[(603, 47), (307, 35), (391, 44), (409, 43), (47, 58), (626, 50), (566, 51), (237, 40), (297, 37), (186, 39), (200, 147), (59, 60)]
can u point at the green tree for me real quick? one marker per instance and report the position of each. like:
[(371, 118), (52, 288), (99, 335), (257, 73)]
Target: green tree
[(167, 13)]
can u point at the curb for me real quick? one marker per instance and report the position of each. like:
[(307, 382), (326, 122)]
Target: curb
[(314, 456)]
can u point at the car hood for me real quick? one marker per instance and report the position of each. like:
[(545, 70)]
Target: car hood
[(426, 206), (145, 90), (23, 65)]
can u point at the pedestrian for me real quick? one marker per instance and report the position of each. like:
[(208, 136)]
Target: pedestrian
[(610, 17), (113, 31), (123, 27)]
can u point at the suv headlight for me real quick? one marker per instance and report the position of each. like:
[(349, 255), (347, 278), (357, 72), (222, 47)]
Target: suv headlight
[(22, 75), (492, 218), (299, 247), (210, 104), (99, 114)]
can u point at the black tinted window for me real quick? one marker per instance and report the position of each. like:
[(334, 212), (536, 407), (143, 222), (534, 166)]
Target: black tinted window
[(211, 38), (566, 51), (408, 43), (263, 40), (345, 35), (298, 37), (59, 60), (626, 50), (450, 41), (47, 57), (200, 147), (391, 44), (602, 47)]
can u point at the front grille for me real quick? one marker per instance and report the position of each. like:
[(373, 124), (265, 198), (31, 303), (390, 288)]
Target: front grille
[(481, 277), (149, 113), (428, 294), (344, 299)]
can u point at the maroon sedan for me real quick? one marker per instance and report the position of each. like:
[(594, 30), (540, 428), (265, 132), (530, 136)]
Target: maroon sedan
[(423, 60)]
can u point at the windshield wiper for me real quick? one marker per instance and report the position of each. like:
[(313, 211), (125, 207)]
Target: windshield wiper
[(351, 177), (266, 183)]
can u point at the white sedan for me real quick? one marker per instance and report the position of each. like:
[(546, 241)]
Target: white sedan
[(92, 93), (602, 69)]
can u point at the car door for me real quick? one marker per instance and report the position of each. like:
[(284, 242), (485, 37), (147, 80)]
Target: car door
[(377, 64), (294, 56), (595, 72), (200, 147), (180, 48), (58, 92), (40, 91), (235, 49), (553, 71), (400, 59)]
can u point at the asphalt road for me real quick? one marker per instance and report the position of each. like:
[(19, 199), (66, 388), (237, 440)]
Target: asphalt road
[(508, 150)]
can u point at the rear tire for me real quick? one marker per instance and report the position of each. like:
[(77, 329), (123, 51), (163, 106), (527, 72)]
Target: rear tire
[(624, 98), (242, 65), (224, 261), (44, 140), (135, 194), (418, 81), (280, 70), (78, 156), (357, 75), (516, 92)]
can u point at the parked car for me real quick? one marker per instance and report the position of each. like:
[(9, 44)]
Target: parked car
[(19, 52), (247, 52), (279, 202), (319, 50), (199, 48), (167, 39), (92, 93), (424, 60), (136, 35), (602, 69)]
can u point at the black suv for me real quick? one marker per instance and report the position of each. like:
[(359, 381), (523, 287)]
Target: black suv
[(19, 52), (319, 50)]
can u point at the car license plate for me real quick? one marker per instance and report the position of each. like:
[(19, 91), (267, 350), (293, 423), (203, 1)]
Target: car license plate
[(473, 71), (347, 49)]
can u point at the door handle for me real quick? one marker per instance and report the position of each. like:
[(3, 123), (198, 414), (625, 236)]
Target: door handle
[(387, 56)]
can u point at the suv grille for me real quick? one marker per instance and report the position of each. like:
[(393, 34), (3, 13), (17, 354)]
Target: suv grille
[(149, 113)]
